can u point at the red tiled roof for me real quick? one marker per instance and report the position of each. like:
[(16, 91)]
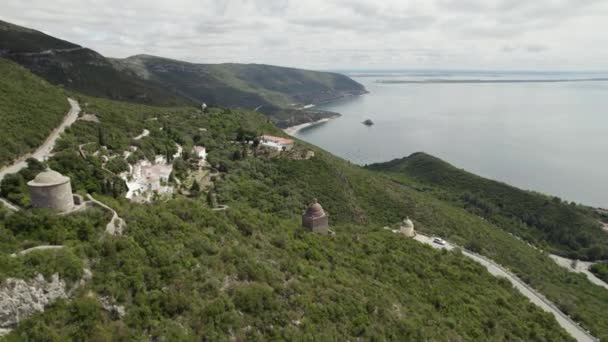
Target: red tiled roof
[(278, 140)]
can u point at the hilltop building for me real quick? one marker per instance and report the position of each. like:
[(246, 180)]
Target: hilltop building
[(316, 219), (276, 143), (407, 228), (200, 152), (51, 190)]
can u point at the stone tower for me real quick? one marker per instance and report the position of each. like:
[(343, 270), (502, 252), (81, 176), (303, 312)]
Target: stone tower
[(316, 219), (407, 228), (51, 190)]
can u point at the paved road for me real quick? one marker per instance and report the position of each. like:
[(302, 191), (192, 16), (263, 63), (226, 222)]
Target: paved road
[(44, 151), (145, 133), (581, 267), (536, 298), (37, 248)]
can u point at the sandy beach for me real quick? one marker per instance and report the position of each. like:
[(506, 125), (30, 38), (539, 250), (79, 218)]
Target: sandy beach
[(294, 129)]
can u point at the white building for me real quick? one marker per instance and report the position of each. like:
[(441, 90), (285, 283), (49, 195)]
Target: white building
[(200, 152), (276, 143)]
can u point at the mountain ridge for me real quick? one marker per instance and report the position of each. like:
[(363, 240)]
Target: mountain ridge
[(279, 92)]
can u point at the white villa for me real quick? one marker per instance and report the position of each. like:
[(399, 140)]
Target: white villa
[(276, 143), (200, 152)]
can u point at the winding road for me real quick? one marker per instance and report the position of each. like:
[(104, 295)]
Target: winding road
[(535, 297), (581, 267), (37, 248), (44, 151)]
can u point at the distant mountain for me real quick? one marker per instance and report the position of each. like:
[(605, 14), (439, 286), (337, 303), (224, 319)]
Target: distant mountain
[(77, 68), (17, 39), (277, 91), (243, 85)]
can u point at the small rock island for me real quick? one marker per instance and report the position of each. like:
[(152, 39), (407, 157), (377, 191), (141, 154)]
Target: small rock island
[(368, 122)]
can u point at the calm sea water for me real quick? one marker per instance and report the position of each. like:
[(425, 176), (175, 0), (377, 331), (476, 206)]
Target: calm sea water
[(547, 137)]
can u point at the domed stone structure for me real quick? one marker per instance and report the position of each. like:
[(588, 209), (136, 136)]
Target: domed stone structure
[(316, 219), (407, 228), (51, 190)]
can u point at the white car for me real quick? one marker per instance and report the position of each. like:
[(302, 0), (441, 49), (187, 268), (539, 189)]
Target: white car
[(439, 241)]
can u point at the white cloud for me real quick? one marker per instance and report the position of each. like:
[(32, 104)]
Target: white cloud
[(325, 34)]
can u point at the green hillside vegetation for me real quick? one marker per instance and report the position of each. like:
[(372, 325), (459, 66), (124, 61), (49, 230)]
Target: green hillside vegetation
[(184, 272), (19, 39), (30, 109), (601, 270), (243, 85), (164, 82), (548, 222), (88, 72)]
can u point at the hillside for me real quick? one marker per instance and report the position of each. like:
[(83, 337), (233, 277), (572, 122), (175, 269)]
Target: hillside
[(183, 270), (77, 68), (244, 85), (30, 109), (563, 228), (276, 91), (17, 39)]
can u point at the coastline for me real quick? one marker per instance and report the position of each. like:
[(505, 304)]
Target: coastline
[(294, 129), (291, 130)]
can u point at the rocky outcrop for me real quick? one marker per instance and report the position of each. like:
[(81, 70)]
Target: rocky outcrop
[(20, 299), (109, 304)]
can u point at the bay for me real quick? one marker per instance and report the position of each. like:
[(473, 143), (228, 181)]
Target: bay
[(545, 132)]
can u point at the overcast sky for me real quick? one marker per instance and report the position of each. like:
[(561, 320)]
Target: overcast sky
[(335, 34)]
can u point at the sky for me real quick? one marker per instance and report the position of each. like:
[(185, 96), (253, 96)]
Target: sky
[(335, 34)]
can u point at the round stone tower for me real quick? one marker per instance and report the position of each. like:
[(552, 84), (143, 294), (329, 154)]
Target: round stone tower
[(51, 190), (407, 228), (316, 219)]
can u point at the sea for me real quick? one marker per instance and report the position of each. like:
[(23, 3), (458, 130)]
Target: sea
[(540, 131)]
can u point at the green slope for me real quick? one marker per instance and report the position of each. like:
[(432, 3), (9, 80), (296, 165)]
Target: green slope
[(564, 228), (19, 39), (30, 109), (184, 272), (244, 85), (76, 68), (160, 81), (88, 72)]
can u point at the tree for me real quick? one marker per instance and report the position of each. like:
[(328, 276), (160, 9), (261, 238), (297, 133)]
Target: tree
[(101, 138), (195, 188), (237, 155), (12, 183), (212, 199)]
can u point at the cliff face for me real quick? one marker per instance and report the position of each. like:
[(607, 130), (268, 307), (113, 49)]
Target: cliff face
[(20, 299)]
